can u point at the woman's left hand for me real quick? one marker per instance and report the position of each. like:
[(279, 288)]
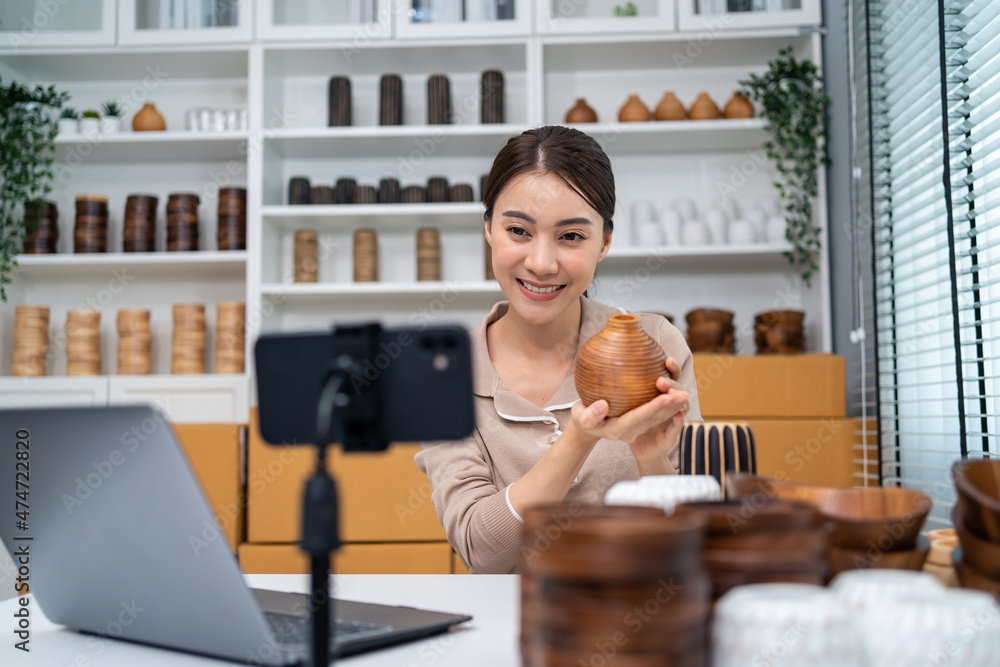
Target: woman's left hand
[(650, 448)]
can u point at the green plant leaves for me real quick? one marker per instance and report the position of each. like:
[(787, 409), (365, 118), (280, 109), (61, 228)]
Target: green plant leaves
[(790, 95)]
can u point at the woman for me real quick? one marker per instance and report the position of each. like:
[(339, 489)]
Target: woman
[(549, 200)]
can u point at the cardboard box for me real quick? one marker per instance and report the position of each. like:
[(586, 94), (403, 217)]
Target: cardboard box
[(457, 566), (389, 558), (383, 496), (807, 451), (213, 451), (803, 385)]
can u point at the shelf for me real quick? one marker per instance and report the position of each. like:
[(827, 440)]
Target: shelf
[(437, 288), (207, 262), (709, 257), (392, 141), (680, 136), (398, 217), (153, 64), (146, 146)]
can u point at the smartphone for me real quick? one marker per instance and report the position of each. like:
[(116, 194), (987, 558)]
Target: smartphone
[(423, 379)]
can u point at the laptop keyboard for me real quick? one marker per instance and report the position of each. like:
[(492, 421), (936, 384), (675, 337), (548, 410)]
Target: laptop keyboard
[(294, 631)]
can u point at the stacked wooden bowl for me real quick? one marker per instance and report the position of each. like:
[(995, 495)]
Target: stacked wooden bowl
[(976, 517), (438, 100), (344, 190), (139, 231), (780, 332), (365, 256), (461, 192), (31, 341), (390, 100), (90, 232), (299, 191), (388, 190), (438, 190), (135, 340), (872, 528), (777, 541), (306, 256), (41, 223), (232, 214), (83, 342), (413, 194), (182, 221), (585, 570), (711, 330), (188, 342), (365, 194), (323, 195), (230, 337), (428, 254), (491, 106)]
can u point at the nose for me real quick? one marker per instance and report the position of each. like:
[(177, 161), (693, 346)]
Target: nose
[(541, 259)]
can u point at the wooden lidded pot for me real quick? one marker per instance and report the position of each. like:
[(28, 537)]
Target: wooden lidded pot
[(670, 108), (581, 113), (148, 119), (704, 108), (633, 111), (620, 364), (738, 106)]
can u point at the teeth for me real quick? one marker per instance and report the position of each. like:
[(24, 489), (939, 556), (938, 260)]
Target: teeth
[(540, 290)]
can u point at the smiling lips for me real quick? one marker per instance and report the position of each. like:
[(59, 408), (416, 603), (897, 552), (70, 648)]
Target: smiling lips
[(539, 293)]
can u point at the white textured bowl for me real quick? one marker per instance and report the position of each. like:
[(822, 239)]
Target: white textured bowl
[(862, 589), (664, 491)]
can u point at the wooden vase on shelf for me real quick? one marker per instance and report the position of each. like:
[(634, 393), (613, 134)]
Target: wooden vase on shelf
[(438, 100), (339, 102), (633, 111), (620, 364), (148, 119), (391, 100), (581, 113), (704, 108), (670, 108), (491, 107), (738, 106)]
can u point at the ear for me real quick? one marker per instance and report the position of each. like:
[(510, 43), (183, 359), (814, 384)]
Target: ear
[(605, 247), (486, 230)]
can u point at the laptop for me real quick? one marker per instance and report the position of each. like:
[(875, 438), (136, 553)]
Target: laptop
[(115, 526)]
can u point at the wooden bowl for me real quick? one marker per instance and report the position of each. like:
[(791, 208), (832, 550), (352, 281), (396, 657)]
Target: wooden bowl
[(702, 315), (978, 484), (969, 577), (982, 555), (845, 558), (791, 319), (885, 518)]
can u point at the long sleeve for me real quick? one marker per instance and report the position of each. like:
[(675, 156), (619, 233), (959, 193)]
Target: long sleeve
[(474, 512), (673, 343)]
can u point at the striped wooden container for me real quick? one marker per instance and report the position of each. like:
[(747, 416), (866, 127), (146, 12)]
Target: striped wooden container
[(717, 448)]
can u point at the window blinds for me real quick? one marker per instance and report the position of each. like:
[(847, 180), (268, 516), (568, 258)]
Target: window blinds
[(931, 92)]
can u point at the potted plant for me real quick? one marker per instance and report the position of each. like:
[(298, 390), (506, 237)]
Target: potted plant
[(791, 98), (69, 121), (90, 122), (112, 116), (28, 130)]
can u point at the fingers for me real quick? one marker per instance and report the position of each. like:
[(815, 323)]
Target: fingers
[(656, 411), (592, 415), (673, 368), (665, 384)]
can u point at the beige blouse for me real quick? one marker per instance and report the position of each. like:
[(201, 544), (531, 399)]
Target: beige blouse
[(470, 477)]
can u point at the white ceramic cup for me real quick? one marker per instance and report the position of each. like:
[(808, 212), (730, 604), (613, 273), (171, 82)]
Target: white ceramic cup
[(642, 211), (694, 232), (729, 205), (670, 222), (742, 232), (717, 221), (775, 232), (650, 234), (685, 206)]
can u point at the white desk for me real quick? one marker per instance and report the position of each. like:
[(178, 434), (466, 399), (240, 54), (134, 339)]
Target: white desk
[(491, 638)]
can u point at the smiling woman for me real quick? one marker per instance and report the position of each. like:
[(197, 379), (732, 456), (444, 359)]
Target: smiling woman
[(550, 199)]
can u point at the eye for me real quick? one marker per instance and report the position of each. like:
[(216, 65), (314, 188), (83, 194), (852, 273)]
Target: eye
[(573, 236), (517, 231)]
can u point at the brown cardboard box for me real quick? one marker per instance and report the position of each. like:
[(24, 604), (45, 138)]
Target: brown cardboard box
[(803, 385), (383, 496), (389, 558), (457, 566), (214, 453), (807, 451)]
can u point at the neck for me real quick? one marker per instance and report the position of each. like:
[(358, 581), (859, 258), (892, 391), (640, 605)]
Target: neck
[(532, 341)]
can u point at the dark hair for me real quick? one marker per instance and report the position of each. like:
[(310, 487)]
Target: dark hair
[(570, 154)]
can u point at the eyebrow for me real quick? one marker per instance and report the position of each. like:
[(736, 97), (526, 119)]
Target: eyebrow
[(561, 223)]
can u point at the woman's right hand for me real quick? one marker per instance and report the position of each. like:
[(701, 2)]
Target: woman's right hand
[(593, 419)]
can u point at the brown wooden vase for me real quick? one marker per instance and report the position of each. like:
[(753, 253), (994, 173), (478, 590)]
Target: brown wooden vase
[(581, 113), (633, 111), (670, 108), (620, 364), (738, 107), (704, 108)]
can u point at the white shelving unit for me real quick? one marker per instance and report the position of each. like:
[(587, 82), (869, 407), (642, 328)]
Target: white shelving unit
[(277, 64)]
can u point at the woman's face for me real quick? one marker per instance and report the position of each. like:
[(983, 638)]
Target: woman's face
[(546, 243)]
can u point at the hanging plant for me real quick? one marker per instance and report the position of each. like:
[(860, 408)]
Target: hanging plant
[(28, 127), (791, 98)]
